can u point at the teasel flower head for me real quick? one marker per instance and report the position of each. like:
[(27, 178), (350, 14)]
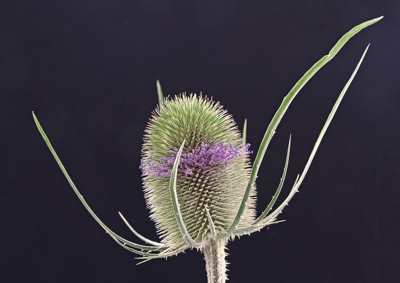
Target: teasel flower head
[(198, 181), (212, 174)]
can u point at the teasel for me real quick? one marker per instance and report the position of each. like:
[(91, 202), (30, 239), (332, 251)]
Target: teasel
[(198, 181)]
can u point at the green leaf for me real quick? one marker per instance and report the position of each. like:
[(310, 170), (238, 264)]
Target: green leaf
[(161, 255), (282, 110), (130, 249), (175, 203), (160, 93), (255, 228), (108, 230), (298, 182), (275, 197), (244, 132), (144, 239), (212, 226)]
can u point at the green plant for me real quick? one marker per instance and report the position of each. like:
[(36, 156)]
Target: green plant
[(198, 180)]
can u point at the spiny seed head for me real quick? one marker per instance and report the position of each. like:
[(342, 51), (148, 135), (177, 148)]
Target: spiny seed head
[(213, 170)]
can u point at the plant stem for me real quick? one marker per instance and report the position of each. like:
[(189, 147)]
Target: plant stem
[(214, 255)]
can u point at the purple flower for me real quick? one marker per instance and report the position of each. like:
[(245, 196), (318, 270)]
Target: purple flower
[(204, 157)]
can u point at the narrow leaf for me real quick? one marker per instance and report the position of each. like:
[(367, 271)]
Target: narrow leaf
[(132, 250), (212, 226), (160, 93), (144, 239), (175, 203), (282, 110), (244, 132), (108, 230), (161, 255), (321, 135), (255, 228), (275, 197)]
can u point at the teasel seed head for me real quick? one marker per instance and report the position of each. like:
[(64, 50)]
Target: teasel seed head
[(213, 171)]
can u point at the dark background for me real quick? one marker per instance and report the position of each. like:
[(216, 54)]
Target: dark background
[(88, 70)]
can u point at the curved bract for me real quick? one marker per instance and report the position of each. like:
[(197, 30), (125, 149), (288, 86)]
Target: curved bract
[(198, 180)]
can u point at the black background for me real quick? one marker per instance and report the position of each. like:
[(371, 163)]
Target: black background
[(88, 70)]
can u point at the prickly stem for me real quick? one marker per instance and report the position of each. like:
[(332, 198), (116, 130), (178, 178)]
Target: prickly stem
[(214, 255)]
